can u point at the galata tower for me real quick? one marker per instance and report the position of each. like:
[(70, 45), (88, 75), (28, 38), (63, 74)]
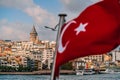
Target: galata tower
[(33, 35)]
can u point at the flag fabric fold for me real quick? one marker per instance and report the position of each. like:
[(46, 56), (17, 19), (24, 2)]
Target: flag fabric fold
[(95, 31)]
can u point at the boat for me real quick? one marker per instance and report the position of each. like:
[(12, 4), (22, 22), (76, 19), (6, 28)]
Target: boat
[(79, 72), (110, 71), (85, 72)]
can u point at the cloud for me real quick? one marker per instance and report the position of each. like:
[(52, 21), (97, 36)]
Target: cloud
[(74, 7), (20, 31), (38, 14), (13, 31), (77, 5)]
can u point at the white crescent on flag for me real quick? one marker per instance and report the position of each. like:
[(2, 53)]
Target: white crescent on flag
[(62, 48)]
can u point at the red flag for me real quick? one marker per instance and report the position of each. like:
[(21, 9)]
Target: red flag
[(95, 31)]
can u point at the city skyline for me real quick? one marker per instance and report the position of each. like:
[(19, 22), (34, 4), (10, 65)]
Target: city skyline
[(18, 17), (88, 44)]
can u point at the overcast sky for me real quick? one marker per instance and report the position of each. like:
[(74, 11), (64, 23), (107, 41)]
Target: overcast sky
[(17, 17)]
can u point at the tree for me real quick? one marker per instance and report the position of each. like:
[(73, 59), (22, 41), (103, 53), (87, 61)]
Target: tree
[(67, 66)]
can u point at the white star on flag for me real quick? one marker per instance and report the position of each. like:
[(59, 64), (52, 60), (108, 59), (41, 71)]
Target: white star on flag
[(81, 28)]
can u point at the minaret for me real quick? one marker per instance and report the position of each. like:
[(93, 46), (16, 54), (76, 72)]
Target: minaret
[(33, 35)]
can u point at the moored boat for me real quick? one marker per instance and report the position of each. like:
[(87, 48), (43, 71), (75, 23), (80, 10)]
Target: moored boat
[(85, 72), (110, 71)]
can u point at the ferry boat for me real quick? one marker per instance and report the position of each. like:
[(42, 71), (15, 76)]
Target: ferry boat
[(110, 71), (85, 72)]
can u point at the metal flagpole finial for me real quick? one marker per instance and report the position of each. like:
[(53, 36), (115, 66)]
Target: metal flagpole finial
[(62, 19), (62, 14)]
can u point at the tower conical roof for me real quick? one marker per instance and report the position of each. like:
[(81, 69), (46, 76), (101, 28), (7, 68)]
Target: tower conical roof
[(33, 30)]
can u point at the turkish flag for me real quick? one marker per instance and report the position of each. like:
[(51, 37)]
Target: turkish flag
[(95, 31)]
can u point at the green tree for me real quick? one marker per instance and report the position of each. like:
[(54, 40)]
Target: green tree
[(67, 66)]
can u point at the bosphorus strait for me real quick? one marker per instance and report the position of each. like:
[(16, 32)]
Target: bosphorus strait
[(62, 77)]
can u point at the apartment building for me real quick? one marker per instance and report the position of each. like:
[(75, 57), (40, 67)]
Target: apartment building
[(90, 61)]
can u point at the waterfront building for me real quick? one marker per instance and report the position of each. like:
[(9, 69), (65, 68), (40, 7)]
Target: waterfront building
[(52, 44), (91, 61), (1, 49), (46, 43), (38, 64), (30, 63), (115, 56), (23, 61), (13, 63), (34, 64), (3, 62), (47, 57)]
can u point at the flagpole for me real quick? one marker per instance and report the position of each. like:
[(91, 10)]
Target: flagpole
[(61, 22)]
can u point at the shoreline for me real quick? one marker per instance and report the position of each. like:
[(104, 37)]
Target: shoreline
[(41, 72)]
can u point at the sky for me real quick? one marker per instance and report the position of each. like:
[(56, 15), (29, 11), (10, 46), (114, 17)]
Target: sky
[(17, 17)]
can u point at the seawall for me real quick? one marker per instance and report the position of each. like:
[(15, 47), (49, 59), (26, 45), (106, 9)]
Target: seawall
[(41, 72)]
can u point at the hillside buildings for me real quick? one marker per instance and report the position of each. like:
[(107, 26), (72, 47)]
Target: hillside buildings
[(34, 53), (38, 54)]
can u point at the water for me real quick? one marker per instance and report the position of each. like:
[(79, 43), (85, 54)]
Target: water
[(62, 77)]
